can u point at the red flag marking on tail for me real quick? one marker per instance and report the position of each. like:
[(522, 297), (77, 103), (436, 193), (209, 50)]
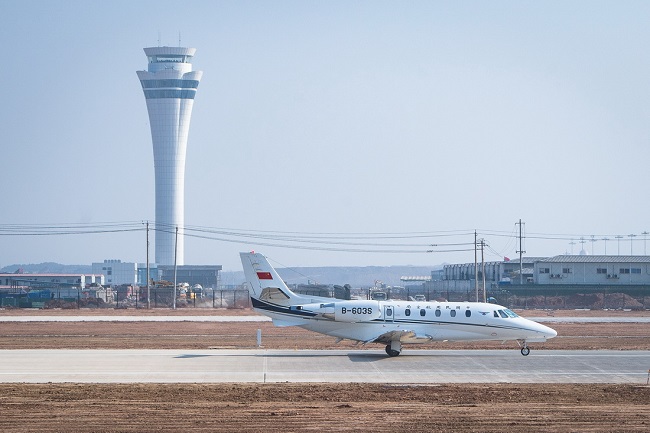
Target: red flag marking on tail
[(264, 276)]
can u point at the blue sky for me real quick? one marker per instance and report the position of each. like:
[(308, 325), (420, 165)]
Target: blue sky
[(331, 117)]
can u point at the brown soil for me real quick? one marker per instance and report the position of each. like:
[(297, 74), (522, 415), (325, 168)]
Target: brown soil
[(303, 407), (324, 407)]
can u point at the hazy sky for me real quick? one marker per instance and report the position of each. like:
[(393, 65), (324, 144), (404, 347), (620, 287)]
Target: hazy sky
[(364, 117)]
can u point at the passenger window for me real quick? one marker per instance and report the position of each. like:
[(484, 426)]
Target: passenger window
[(389, 312), (407, 312), (423, 312), (453, 313), (468, 313), (503, 314), (437, 313)]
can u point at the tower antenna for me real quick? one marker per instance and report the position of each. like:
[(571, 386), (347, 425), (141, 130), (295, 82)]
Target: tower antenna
[(158, 37), (179, 38)]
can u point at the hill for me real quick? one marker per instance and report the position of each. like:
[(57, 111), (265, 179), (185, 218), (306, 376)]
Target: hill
[(363, 276), (47, 268)]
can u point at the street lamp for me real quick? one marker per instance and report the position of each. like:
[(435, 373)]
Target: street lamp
[(631, 239), (618, 243)]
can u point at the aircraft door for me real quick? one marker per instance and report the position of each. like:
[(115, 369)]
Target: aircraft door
[(388, 313)]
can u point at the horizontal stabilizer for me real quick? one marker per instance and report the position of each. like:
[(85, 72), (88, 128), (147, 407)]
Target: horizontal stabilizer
[(283, 323)]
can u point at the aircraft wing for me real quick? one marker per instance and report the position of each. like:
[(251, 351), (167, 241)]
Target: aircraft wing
[(401, 335)]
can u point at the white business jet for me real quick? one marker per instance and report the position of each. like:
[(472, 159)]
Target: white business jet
[(391, 322)]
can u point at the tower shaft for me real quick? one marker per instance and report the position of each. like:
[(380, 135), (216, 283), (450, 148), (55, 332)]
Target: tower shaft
[(169, 87)]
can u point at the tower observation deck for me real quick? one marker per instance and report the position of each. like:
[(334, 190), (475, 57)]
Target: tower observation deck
[(169, 86)]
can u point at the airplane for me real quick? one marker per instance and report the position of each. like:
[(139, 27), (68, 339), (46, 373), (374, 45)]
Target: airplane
[(390, 322)]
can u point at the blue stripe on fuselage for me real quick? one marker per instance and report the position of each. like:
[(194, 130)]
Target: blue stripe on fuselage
[(272, 308)]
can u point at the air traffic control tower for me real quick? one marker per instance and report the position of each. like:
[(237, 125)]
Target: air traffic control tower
[(169, 86)]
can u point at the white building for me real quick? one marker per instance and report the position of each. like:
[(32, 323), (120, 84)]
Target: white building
[(560, 270), (169, 87), (584, 269), (116, 272), (50, 280)]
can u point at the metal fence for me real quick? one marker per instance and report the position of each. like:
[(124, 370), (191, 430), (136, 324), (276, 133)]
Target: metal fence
[(515, 296)]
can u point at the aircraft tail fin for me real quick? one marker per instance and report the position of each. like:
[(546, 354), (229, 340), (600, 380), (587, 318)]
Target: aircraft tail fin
[(264, 282)]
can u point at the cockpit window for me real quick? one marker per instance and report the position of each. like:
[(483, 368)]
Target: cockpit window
[(503, 314), (511, 313), (496, 314)]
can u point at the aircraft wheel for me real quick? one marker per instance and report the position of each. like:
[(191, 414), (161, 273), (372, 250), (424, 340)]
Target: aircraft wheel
[(391, 352), (525, 350)]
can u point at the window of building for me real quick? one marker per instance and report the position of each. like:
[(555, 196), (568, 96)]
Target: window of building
[(624, 271), (636, 270), (544, 270), (567, 270), (601, 270)]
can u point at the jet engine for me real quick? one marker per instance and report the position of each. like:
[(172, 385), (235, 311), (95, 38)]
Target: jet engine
[(344, 311)]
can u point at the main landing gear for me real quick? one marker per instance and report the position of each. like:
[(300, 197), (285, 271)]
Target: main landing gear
[(394, 348)]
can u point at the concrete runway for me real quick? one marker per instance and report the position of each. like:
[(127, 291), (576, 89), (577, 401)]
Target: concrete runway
[(332, 366)]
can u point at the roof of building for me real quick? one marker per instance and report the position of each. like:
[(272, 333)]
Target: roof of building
[(415, 278), (525, 260), (596, 259), (23, 276)]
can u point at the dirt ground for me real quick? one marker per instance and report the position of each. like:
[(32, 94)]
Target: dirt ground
[(309, 407)]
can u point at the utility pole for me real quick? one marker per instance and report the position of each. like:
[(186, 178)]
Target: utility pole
[(521, 252), (148, 279), (175, 258), (645, 238), (475, 268), (483, 270)]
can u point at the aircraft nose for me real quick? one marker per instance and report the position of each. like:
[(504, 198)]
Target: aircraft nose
[(548, 332)]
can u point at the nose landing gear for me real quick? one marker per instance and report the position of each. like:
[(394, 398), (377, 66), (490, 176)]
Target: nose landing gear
[(525, 350)]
